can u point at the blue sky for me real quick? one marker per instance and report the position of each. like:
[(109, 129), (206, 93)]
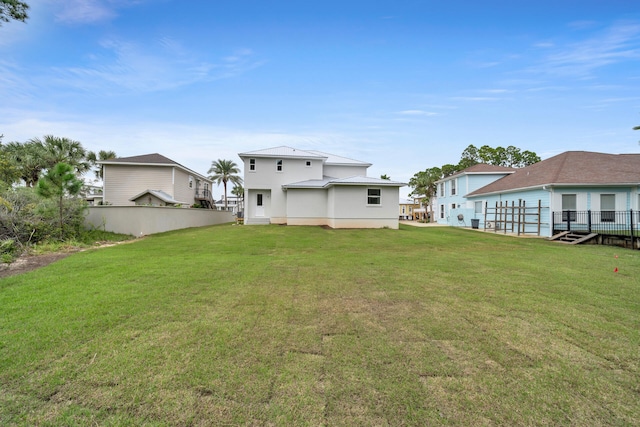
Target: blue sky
[(405, 85)]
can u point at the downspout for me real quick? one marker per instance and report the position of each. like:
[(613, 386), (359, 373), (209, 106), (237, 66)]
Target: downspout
[(104, 187), (549, 189)]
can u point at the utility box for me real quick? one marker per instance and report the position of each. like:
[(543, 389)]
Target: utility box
[(475, 223)]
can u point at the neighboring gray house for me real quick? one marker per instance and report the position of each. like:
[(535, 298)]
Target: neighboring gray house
[(567, 185), (153, 179), (452, 206), (284, 185)]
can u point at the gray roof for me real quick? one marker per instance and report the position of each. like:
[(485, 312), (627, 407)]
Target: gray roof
[(284, 152), (167, 198), (333, 159), (571, 168), (153, 159), (481, 169), (354, 180)]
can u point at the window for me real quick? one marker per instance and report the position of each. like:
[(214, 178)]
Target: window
[(453, 187), (259, 199), (441, 211), (252, 165), (308, 163), (190, 181), (442, 189), (477, 207), (279, 165), (569, 204), (607, 207), (374, 196)]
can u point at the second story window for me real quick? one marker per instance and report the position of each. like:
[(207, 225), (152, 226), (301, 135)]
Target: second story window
[(279, 165), (453, 187), (441, 189), (252, 165)]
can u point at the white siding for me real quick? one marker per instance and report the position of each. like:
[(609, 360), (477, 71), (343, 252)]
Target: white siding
[(122, 182), (182, 192)]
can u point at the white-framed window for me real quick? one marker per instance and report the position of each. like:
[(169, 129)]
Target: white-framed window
[(252, 165), (279, 165), (453, 187), (374, 196), (441, 189), (477, 207), (569, 203), (308, 163), (441, 211), (607, 207), (190, 181)]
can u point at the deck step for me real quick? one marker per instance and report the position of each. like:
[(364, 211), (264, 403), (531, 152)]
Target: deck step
[(559, 235), (573, 239)]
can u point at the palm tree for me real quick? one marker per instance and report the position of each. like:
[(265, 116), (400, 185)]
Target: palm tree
[(225, 171), (94, 158), (64, 150), (28, 158), (238, 191)]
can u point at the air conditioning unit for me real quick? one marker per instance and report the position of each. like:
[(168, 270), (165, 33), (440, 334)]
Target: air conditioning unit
[(492, 225)]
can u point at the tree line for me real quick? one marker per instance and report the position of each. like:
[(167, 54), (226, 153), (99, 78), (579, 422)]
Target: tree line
[(423, 183)]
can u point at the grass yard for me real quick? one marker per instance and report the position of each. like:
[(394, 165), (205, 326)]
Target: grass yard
[(273, 325)]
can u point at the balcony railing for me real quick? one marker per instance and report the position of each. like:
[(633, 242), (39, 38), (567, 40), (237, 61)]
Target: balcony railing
[(204, 194), (613, 223)]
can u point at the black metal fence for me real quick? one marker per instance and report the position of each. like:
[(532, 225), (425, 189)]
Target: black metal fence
[(625, 224)]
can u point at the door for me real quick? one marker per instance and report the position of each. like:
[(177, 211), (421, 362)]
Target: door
[(259, 205)]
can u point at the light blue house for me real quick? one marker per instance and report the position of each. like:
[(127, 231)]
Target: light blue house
[(576, 190), (452, 206)]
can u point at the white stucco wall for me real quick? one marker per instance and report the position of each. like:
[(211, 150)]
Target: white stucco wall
[(348, 208), (306, 207), (335, 171), (144, 220), (266, 174)]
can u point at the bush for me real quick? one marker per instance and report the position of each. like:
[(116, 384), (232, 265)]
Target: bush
[(9, 250), (28, 218)]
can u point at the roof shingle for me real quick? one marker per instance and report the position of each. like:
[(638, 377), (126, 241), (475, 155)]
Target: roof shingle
[(571, 168)]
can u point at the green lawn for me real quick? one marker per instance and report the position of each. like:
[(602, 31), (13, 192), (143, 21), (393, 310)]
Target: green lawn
[(274, 325)]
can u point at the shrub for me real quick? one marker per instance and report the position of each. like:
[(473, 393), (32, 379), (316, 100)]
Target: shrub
[(28, 219)]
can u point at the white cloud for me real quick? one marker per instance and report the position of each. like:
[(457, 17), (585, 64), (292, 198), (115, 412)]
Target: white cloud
[(417, 113), (163, 65), (619, 43), (84, 11), (476, 98)]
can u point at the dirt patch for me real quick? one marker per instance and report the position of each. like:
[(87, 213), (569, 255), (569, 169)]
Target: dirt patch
[(28, 263)]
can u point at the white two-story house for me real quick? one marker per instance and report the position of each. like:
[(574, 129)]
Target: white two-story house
[(285, 185)]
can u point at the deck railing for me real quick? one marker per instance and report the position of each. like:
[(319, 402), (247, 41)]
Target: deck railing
[(204, 194), (612, 223)]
